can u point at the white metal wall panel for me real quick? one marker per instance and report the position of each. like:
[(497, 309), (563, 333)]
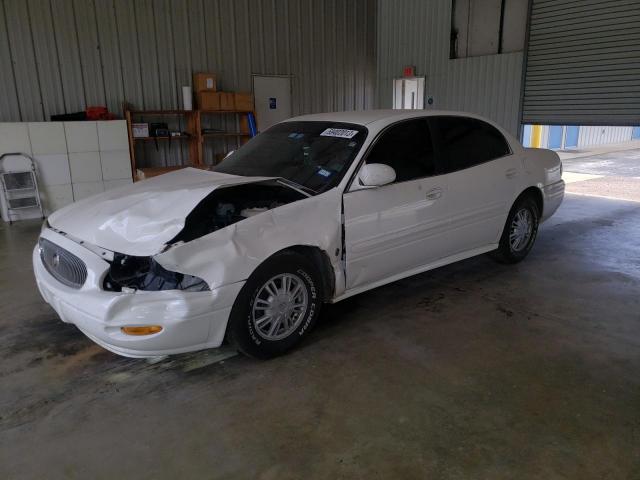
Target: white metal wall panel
[(110, 53), (583, 63), (89, 50), (9, 108), (25, 69), (68, 54), (416, 32), (44, 41), (600, 135), (60, 56)]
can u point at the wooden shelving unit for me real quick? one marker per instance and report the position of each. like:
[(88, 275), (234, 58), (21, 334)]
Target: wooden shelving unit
[(192, 119)]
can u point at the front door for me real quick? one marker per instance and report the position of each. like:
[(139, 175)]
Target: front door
[(398, 227)]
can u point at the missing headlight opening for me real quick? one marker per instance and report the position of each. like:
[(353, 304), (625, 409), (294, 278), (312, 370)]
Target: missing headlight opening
[(226, 206), (144, 273)]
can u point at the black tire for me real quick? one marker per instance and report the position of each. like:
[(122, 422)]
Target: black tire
[(506, 253), (242, 331)]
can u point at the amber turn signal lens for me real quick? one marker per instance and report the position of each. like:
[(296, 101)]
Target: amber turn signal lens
[(146, 330)]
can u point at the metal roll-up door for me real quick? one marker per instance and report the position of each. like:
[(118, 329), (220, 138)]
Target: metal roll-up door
[(583, 63)]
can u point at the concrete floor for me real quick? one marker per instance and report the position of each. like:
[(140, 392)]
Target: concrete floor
[(476, 370), (614, 174)]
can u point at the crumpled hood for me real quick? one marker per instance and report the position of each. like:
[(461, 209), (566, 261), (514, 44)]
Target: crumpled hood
[(139, 219)]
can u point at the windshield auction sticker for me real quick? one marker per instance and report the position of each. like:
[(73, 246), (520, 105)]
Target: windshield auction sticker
[(339, 132)]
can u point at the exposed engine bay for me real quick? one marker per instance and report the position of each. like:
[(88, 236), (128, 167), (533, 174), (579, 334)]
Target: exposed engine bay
[(228, 205), (221, 208)]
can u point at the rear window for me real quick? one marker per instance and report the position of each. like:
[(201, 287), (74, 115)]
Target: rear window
[(465, 142)]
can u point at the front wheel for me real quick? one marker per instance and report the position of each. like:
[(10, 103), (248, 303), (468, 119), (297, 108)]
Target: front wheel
[(519, 232), (276, 307)]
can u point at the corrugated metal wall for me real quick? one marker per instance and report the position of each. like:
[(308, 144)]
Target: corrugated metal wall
[(59, 56), (583, 63), (417, 32), (590, 136), (593, 135)]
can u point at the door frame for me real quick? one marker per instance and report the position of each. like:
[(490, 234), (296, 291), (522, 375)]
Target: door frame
[(291, 77)]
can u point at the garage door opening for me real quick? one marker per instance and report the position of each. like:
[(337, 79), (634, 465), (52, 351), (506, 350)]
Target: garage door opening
[(601, 161)]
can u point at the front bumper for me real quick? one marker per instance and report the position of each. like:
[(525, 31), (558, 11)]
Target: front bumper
[(190, 320), (553, 195)]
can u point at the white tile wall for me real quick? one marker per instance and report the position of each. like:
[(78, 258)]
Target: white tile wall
[(47, 138), (52, 169), (112, 135), (74, 160), (14, 138), (109, 184), (55, 197), (85, 167), (81, 136), (86, 189), (116, 165)]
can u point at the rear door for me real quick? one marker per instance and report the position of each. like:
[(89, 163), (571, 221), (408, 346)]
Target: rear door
[(401, 226), (482, 177)]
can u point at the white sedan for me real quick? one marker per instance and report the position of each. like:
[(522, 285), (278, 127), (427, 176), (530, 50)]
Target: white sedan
[(316, 209)]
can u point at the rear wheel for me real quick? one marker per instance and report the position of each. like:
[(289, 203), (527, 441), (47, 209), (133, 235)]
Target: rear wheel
[(520, 231), (276, 307)]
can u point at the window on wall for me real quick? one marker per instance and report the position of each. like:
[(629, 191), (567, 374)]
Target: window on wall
[(487, 27)]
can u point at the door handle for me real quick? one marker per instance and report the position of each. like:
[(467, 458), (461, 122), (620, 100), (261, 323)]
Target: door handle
[(434, 194), (511, 172)]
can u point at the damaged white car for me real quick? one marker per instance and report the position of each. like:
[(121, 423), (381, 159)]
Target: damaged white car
[(315, 209)]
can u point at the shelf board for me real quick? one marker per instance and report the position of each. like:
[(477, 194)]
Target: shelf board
[(225, 111), (226, 134), (162, 112), (148, 139)]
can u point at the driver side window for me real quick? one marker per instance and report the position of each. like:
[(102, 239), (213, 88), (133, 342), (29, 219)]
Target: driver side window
[(407, 148)]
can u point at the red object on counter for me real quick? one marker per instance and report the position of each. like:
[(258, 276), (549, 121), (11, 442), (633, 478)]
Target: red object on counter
[(99, 113)]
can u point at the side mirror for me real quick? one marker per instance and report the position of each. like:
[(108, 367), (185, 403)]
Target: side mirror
[(376, 175)]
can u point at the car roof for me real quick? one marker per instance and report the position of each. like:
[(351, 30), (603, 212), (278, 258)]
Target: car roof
[(367, 117), (378, 120)]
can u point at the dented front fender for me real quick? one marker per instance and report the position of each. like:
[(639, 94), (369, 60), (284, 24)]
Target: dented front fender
[(231, 254)]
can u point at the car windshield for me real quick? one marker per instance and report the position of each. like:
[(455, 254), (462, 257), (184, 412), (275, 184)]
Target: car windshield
[(313, 155)]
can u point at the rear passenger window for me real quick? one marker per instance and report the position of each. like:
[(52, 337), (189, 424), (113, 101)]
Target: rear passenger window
[(406, 147), (465, 142)]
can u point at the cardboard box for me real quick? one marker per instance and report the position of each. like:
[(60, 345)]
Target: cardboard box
[(227, 101), (216, 100), (243, 101), (204, 81), (208, 100)]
